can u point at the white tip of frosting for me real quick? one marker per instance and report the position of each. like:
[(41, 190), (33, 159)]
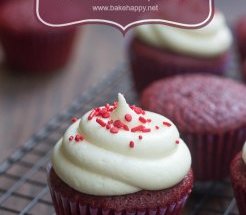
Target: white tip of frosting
[(121, 101), (122, 109)]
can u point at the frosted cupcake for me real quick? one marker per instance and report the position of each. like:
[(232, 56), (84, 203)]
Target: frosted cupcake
[(28, 45), (158, 51), (119, 159), (238, 179)]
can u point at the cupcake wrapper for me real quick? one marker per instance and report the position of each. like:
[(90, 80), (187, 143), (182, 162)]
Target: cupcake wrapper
[(212, 154), (242, 52), (240, 196), (63, 206), (35, 51), (241, 45), (144, 73), (146, 70)]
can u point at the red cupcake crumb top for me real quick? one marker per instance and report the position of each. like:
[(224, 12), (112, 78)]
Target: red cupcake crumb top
[(198, 103)]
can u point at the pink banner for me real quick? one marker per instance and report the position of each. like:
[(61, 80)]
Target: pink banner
[(125, 14)]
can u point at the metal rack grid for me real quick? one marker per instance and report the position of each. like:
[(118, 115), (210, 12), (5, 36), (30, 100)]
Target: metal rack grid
[(23, 188)]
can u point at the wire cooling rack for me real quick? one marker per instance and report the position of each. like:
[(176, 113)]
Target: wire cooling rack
[(23, 188)]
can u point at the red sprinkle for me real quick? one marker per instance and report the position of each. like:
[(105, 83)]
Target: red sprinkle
[(177, 141), (114, 130), (91, 115), (115, 104), (107, 106), (145, 130), (128, 117), (108, 126), (140, 137), (149, 120), (106, 115), (74, 119), (125, 127), (131, 144), (110, 121), (157, 127), (142, 119), (79, 137), (103, 111), (70, 138), (100, 122), (118, 124), (137, 110), (167, 124), (137, 128)]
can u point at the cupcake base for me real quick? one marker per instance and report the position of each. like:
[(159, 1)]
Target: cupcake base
[(238, 179), (68, 201), (213, 153), (37, 51), (240, 31), (149, 64)]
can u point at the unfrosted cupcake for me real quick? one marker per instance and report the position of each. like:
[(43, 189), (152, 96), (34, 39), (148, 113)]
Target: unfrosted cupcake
[(119, 159), (158, 51), (210, 113), (238, 179), (28, 44)]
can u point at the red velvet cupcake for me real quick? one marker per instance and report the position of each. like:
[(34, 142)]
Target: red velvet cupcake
[(158, 51), (238, 179), (210, 113), (240, 32), (28, 44), (114, 160)]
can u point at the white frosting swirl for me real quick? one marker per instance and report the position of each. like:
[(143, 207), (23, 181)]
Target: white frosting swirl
[(105, 164), (244, 153), (209, 41)]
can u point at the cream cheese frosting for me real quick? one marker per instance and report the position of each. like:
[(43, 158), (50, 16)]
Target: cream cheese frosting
[(244, 153), (120, 149), (209, 41)]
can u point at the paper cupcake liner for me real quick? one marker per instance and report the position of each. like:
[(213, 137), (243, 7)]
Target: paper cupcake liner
[(64, 206), (146, 70), (242, 51), (69, 203), (238, 176), (37, 51), (144, 73), (212, 153), (240, 39), (240, 196)]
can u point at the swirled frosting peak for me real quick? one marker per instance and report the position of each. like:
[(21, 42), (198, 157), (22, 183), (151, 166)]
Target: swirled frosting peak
[(209, 41), (120, 149), (244, 153)]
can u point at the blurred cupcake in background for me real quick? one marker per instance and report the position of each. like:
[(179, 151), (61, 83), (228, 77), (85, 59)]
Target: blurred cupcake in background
[(238, 179), (2, 1), (240, 32), (158, 51), (29, 45)]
